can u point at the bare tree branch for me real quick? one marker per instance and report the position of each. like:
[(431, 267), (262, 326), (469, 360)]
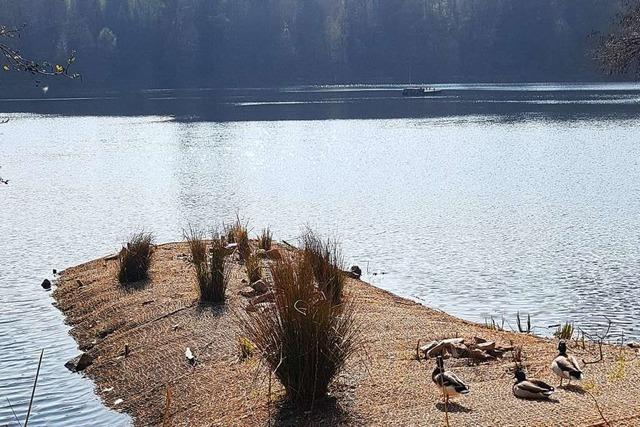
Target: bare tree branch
[(599, 339), (14, 61)]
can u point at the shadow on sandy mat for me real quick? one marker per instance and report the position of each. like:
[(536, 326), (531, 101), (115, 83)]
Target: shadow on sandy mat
[(326, 412), (453, 407), (573, 388), (213, 309), (136, 286)]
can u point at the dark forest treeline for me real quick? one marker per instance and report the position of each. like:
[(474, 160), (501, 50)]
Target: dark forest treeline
[(155, 43)]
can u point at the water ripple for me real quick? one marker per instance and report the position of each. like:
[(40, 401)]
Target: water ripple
[(479, 216)]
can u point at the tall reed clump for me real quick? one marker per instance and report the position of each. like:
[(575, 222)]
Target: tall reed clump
[(228, 231), (134, 259), (242, 239), (237, 233), (325, 257), (265, 239), (303, 337), (197, 245), (254, 268), (209, 263)]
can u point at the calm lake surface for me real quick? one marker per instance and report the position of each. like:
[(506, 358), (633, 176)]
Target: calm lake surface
[(482, 201)]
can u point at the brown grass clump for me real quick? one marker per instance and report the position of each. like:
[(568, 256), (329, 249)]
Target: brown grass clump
[(303, 337), (265, 239), (211, 273), (228, 231), (197, 245), (134, 260), (238, 234), (254, 269), (242, 239), (325, 257)]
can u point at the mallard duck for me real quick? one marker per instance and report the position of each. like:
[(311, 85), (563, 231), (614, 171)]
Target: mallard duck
[(448, 383), (530, 389), (566, 367)]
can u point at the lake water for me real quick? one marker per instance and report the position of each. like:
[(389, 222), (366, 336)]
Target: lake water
[(482, 201)]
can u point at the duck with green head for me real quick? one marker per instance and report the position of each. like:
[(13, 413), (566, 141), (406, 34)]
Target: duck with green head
[(448, 382), (530, 389), (564, 366)]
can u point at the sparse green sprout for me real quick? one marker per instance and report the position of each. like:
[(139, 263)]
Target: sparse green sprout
[(618, 371), (493, 325), (564, 331), (247, 348)]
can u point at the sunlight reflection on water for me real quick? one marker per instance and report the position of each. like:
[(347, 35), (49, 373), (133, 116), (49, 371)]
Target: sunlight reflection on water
[(479, 216)]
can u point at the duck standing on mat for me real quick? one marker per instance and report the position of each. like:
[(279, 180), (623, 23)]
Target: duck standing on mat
[(564, 366), (448, 382)]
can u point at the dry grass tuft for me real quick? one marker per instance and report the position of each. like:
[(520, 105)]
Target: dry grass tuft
[(211, 272), (134, 260), (238, 233), (325, 258), (197, 245), (265, 239), (228, 231), (254, 268), (303, 338)]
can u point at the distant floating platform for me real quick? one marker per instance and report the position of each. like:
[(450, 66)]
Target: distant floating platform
[(420, 91)]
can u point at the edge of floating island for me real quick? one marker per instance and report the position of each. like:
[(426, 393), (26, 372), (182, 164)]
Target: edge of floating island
[(135, 340)]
